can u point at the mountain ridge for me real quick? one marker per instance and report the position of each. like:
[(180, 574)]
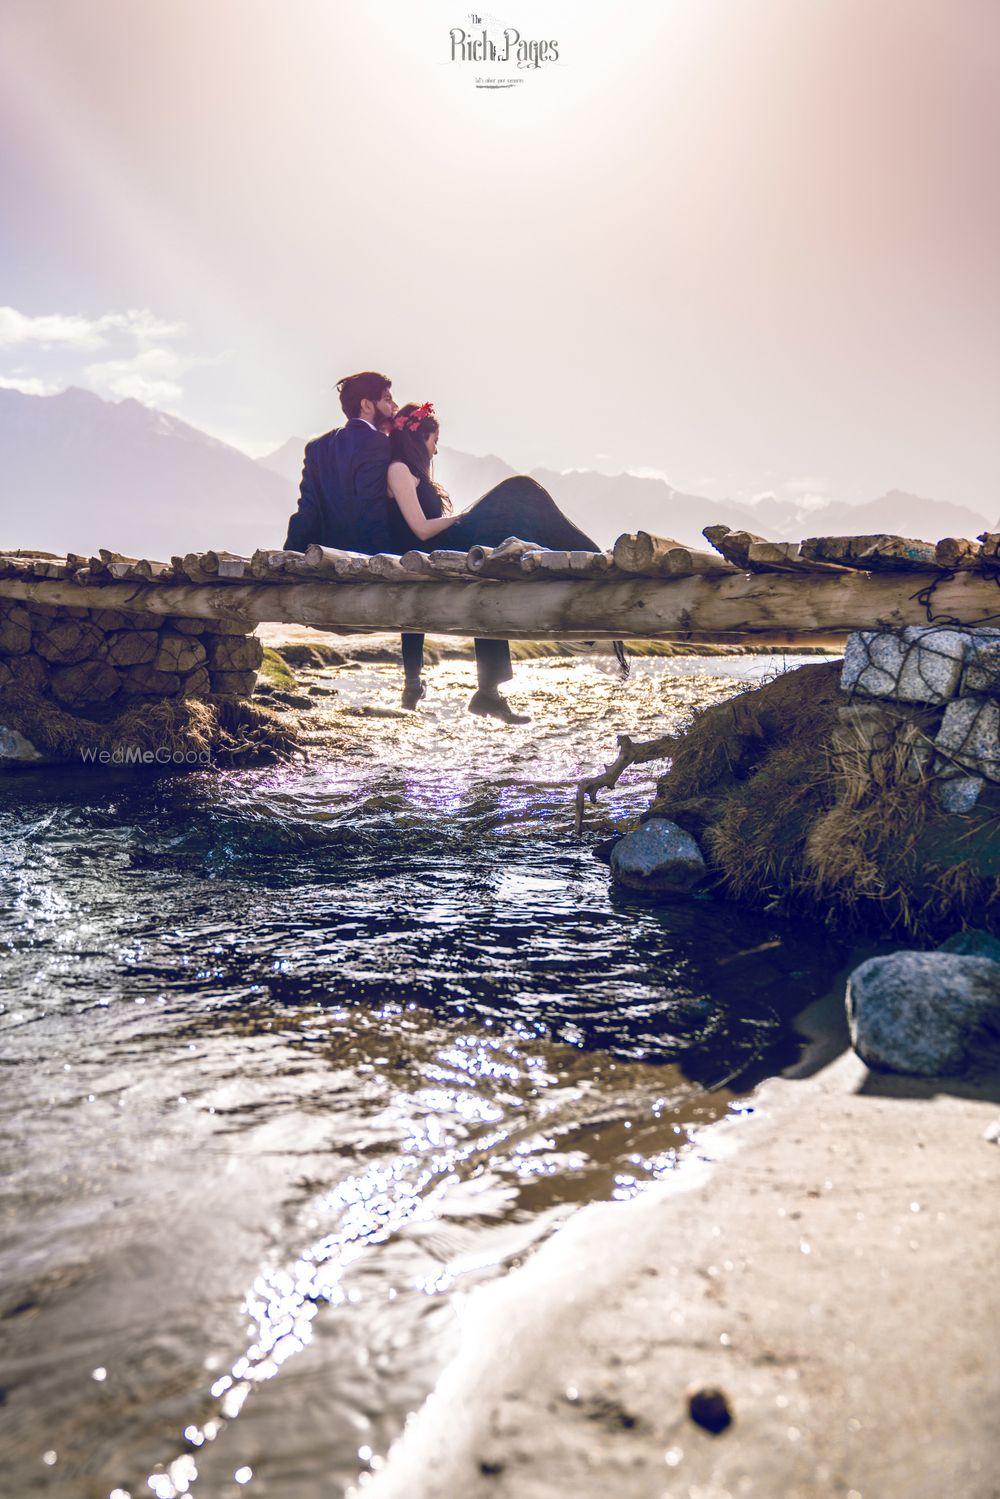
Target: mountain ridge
[(78, 472)]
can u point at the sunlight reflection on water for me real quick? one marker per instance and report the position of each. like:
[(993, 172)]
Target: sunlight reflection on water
[(295, 1052)]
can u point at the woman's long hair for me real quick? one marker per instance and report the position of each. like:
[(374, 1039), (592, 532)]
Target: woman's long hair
[(411, 427)]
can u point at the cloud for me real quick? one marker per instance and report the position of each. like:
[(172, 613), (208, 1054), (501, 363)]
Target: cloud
[(137, 361), (151, 376), (814, 501), (29, 385), (74, 331), (641, 472)]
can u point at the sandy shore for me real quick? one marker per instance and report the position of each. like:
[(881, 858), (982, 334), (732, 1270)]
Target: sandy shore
[(828, 1261)]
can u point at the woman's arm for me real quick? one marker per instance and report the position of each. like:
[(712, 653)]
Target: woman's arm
[(403, 488)]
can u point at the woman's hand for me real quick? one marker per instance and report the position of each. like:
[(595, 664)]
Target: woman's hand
[(403, 488)]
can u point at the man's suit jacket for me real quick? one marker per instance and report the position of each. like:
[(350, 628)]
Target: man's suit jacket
[(343, 472)]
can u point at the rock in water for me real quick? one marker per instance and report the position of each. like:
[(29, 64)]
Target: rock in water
[(659, 855), (973, 943), (710, 1408), (15, 749), (923, 1012)]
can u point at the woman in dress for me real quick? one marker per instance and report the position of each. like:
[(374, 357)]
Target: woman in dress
[(417, 511)]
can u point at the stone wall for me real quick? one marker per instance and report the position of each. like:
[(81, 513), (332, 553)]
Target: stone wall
[(96, 663), (952, 670)]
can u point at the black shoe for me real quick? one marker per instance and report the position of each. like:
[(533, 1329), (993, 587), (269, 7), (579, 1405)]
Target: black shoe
[(492, 705), (412, 693)]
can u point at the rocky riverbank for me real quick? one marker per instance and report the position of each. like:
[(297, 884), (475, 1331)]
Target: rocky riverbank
[(809, 1309), (866, 791), (108, 686)]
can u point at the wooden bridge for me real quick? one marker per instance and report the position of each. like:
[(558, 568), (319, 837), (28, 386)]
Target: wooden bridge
[(779, 593)]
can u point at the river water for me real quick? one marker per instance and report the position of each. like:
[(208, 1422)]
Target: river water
[(296, 1057)]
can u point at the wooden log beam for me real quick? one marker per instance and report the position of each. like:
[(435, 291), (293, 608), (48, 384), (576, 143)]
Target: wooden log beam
[(958, 551), (272, 563), (638, 551), (546, 564), (734, 545), (439, 565), (784, 557), (779, 607), (661, 557), (503, 561), (873, 553)]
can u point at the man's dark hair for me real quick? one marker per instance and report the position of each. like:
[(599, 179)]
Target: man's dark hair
[(368, 386)]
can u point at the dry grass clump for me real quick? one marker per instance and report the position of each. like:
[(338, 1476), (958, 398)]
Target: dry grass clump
[(803, 802), (862, 851), (229, 730)]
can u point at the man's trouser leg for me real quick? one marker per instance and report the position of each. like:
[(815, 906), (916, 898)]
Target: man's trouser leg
[(493, 664), (413, 657)]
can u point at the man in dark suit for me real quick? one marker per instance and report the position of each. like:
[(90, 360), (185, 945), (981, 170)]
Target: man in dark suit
[(345, 469), (342, 472)]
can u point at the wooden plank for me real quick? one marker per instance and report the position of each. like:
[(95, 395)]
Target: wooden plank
[(194, 566), (734, 545), (235, 567), (774, 606), (552, 564), (224, 567), (880, 553), (100, 566), (32, 553), (267, 563), (438, 564), (784, 556), (330, 563), (639, 553), (142, 569), (503, 561), (389, 569), (956, 551)]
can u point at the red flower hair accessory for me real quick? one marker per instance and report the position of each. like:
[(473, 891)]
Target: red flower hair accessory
[(412, 420)]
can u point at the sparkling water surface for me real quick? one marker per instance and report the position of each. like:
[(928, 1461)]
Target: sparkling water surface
[(296, 1056)]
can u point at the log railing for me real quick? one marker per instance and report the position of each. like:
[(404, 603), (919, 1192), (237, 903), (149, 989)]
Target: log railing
[(645, 587)]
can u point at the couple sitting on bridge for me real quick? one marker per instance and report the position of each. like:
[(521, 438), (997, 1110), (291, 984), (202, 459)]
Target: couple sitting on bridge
[(368, 487)]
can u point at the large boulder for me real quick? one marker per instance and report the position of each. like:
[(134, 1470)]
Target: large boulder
[(659, 855), (923, 1013), (973, 943)]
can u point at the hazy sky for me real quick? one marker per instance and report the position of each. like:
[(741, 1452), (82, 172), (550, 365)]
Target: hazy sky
[(748, 244)]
